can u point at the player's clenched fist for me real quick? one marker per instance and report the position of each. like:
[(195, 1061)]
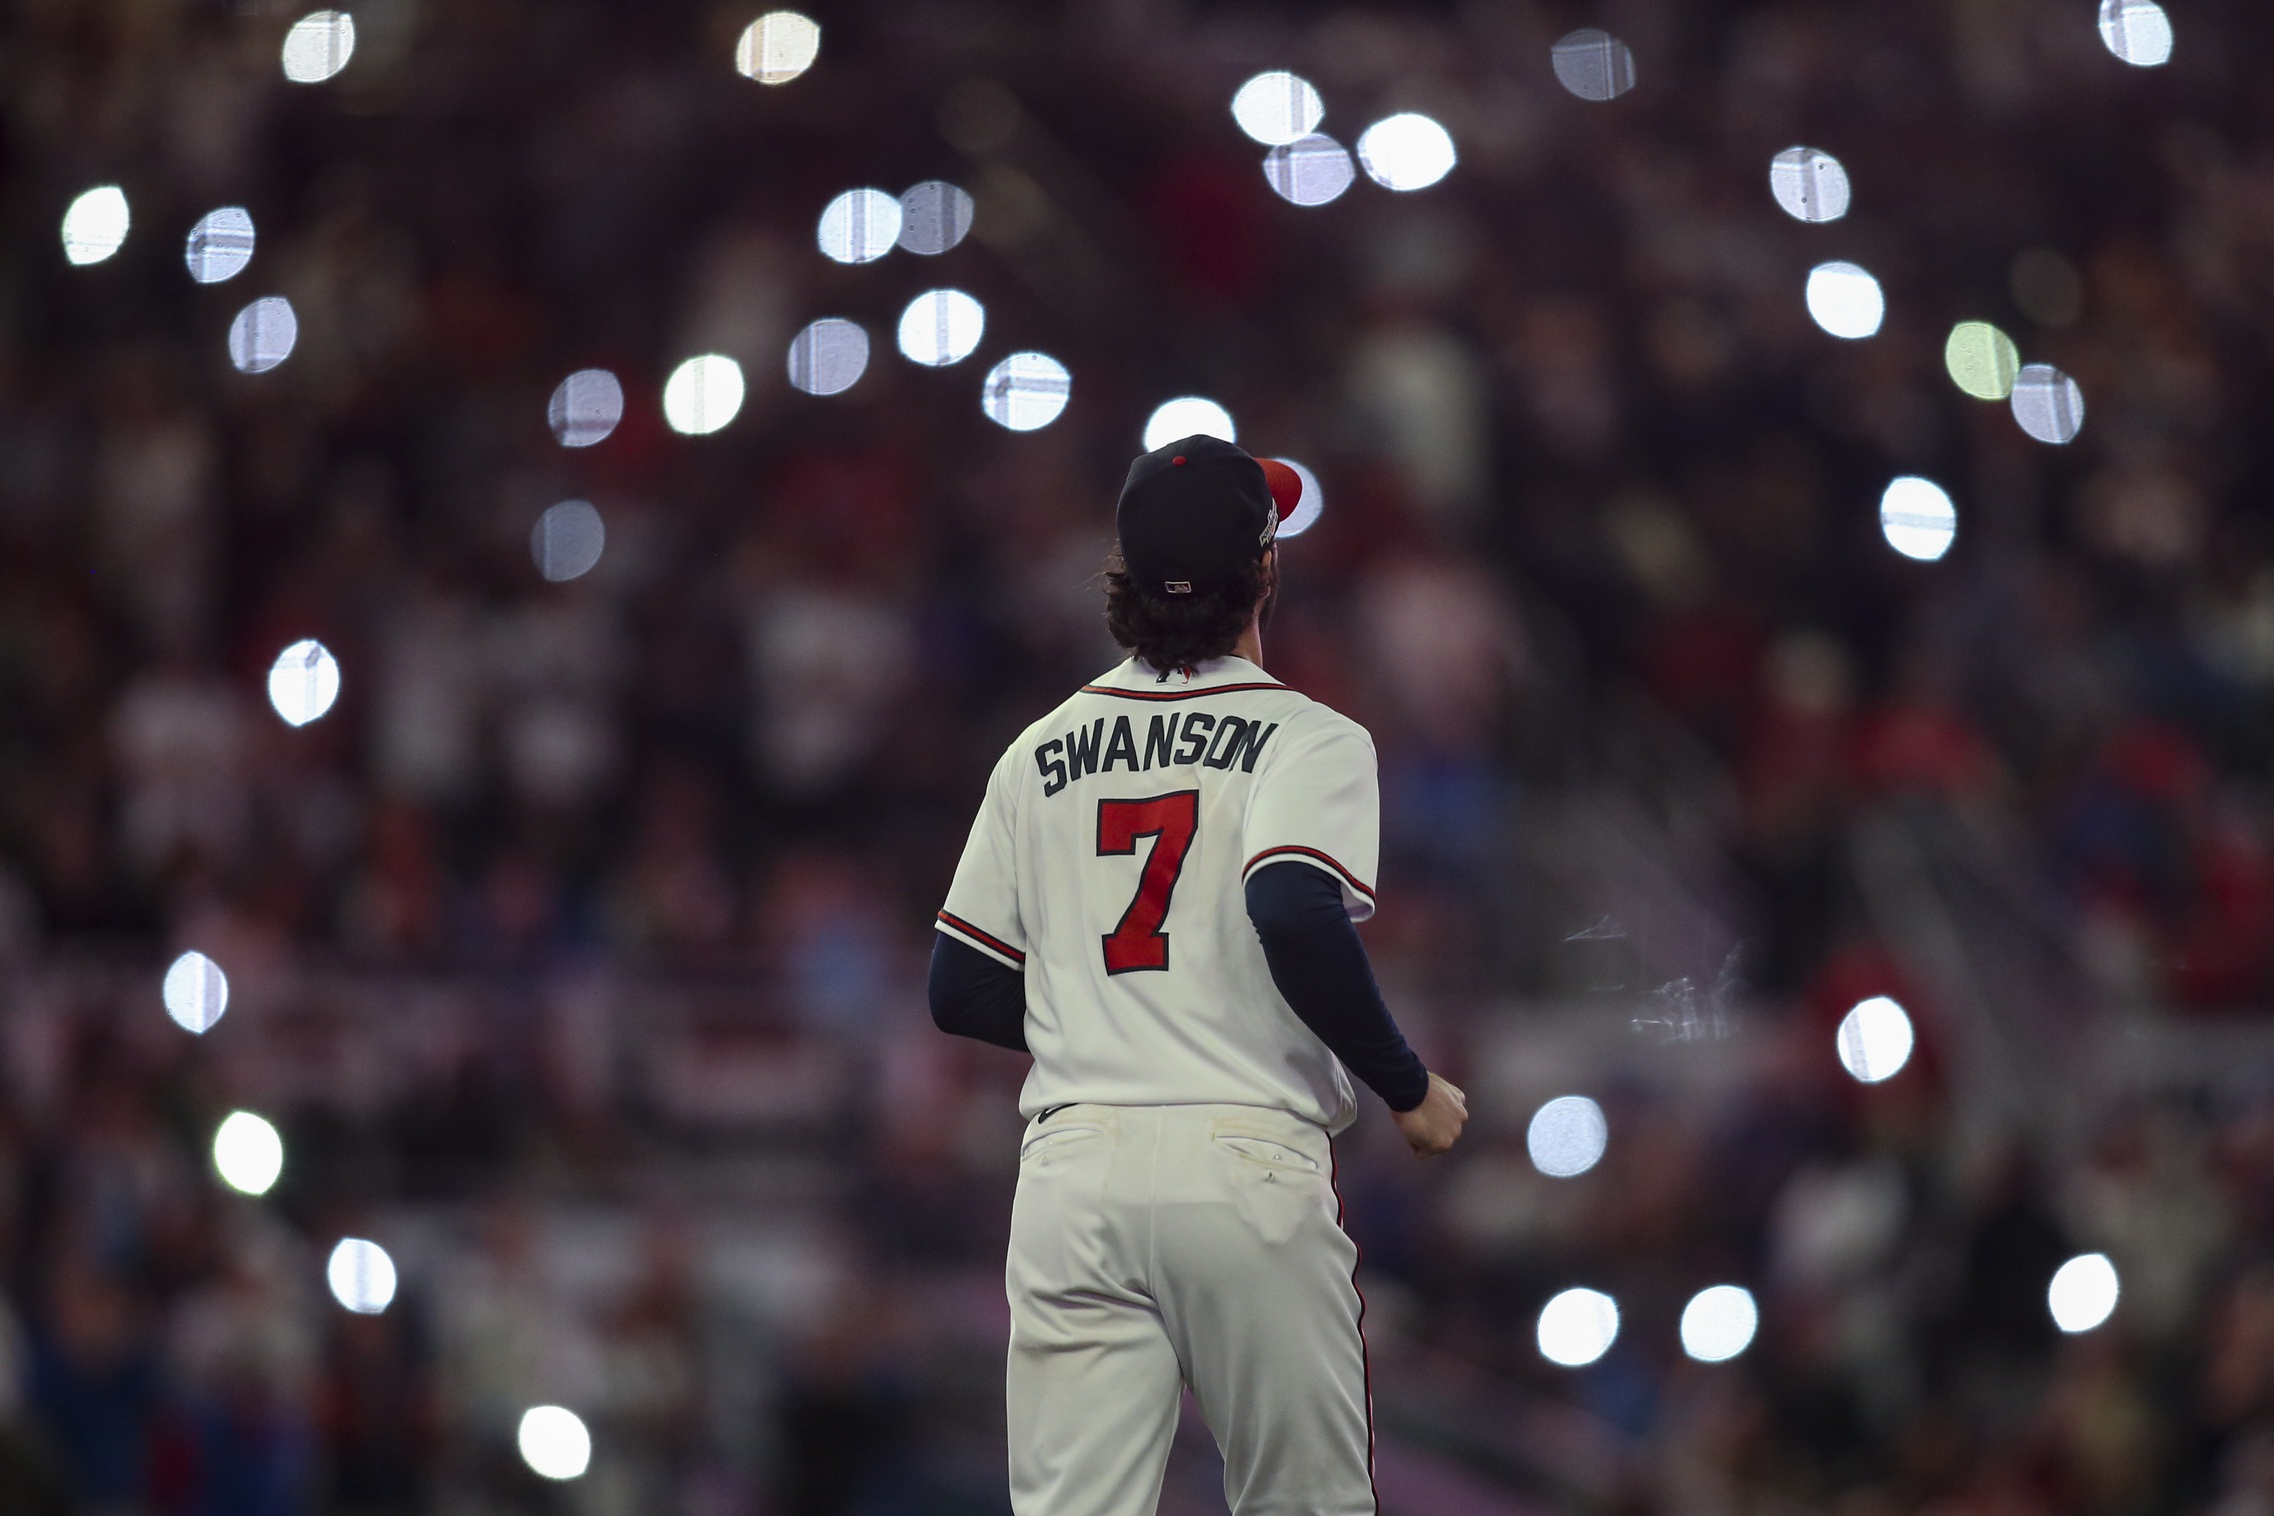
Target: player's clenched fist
[(1433, 1126)]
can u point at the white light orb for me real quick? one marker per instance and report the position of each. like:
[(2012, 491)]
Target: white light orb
[(1917, 518), (318, 46), (1406, 152), (1809, 185), (2047, 404), (703, 394), (220, 245), (859, 226), (1188, 416), (1308, 509), (567, 540), (2083, 1293), (1567, 1136), (554, 1442), (934, 216), (1577, 1327), (777, 47), (585, 408), (1719, 1323), (1593, 64), (263, 335), (1875, 1040), (361, 1275), (303, 682), (1278, 108), (2137, 31), (1026, 391), (941, 327), (248, 1154), (1845, 300), (1313, 171), (95, 225), (829, 357), (195, 992)]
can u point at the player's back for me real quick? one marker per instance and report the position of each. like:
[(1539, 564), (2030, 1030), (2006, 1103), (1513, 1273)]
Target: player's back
[(1109, 863)]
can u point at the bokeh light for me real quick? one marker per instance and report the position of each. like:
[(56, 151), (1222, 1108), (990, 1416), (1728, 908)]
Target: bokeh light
[(2137, 31), (1981, 360), (934, 216), (1278, 108), (554, 1442), (1917, 518), (585, 408), (361, 1275), (2047, 404), (1309, 509), (1719, 1323), (859, 226), (318, 46), (195, 992), (941, 327), (1406, 152), (703, 394), (263, 334), (1310, 172), (1874, 1040), (95, 224), (829, 356), (303, 682), (1593, 64), (1026, 391), (1809, 185), (2083, 1293), (567, 540), (1567, 1136), (247, 1153), (777, 47), (1577, 1327), (1188, 416), (220, 245), (1845, 300)]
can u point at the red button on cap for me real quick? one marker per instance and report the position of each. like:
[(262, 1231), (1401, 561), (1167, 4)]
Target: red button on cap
[(1178, 459)]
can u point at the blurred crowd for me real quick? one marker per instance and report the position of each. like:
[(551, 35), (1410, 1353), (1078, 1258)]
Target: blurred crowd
[(577, 951)]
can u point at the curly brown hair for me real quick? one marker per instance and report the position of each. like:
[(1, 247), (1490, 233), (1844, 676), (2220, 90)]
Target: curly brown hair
[(1180, 631)]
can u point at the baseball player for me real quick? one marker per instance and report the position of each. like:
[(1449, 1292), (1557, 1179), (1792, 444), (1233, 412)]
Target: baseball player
[(1156, 902)]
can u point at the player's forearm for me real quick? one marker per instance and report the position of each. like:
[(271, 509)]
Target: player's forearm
[(1321, 969), (974, 996)]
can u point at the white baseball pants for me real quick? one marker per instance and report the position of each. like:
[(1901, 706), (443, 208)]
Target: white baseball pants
[(1154, 1247)]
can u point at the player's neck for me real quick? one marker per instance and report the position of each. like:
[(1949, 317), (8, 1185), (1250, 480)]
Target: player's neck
[(1250, 645)]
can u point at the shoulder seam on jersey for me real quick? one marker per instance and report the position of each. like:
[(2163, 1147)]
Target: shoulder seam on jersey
[(1221, 689), (963, 928), (1308, 852)]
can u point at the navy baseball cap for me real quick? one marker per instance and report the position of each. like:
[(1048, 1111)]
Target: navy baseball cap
[(1195, 513)]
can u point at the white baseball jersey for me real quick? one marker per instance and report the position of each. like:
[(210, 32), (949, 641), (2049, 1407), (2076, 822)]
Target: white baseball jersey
[(1109, 861)]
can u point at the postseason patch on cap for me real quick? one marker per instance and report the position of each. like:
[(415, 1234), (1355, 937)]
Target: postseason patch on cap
[(1198, 511)]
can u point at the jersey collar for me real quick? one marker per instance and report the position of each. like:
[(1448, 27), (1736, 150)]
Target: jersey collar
[(1136, 674)]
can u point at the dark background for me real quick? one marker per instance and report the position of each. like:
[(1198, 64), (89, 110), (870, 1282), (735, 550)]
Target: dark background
[(578, 952)]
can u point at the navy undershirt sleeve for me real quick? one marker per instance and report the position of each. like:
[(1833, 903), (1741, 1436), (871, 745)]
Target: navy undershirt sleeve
[(974, 996), (1322, 971)]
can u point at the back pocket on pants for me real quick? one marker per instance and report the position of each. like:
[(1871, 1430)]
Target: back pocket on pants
[(1278, 1187)]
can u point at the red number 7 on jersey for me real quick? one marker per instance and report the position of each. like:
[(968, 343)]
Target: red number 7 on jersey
[(1138, 942)]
